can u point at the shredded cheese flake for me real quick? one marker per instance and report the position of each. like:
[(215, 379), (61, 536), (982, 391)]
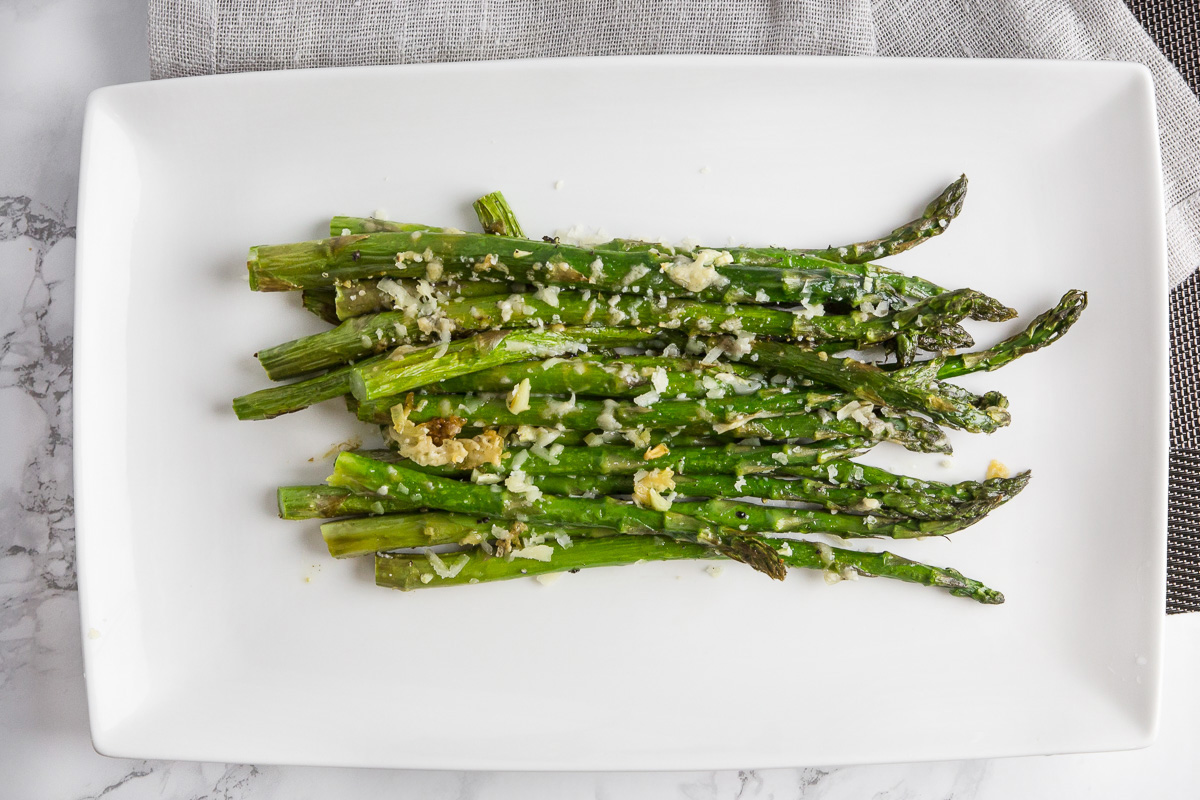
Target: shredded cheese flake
[(536, 552), (698, 273)]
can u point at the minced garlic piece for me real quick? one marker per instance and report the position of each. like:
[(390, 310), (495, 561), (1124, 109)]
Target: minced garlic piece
[(648, 486), (658, 451), (997, 469), (416, 443), (518, 398)]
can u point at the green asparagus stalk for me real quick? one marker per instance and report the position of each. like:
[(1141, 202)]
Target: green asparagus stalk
[(770, 414), (892, 284), (840, 499), (979, 494), (360, 537), (605, 376), (466, 256), (764, 519), (914, 388), (410, 571), (365, 297), (364, 475), (345, 226), (322, 303), (326, 502), (729, 459), (935, 219), (403, 371), (826, 462), (365, 335), (279, 400), (716, 522), (497, 217), (1046, 329), (905, 347)]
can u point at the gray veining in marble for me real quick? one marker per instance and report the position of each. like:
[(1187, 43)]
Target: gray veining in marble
[(52, 52)]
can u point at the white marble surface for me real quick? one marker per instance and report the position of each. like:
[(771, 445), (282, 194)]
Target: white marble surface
[(52, 52)]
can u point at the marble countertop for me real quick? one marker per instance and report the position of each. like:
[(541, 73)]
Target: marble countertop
[(52, 53)]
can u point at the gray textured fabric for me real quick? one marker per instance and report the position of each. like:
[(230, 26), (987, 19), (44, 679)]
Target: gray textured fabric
[(197, 37), (1175, 26)]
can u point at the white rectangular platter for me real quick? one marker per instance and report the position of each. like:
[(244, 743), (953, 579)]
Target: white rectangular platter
[(214, 631)]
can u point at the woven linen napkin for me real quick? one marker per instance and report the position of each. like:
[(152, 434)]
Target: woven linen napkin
[(197, 37)]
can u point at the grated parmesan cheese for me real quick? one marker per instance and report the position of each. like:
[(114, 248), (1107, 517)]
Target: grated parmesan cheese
[(647, 399), (536, 552), (560, 408), (698, 273), (519, 483), (737, 422), (606, 420), (548, 295)]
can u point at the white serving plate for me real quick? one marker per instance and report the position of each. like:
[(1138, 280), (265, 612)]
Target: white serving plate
[(214, 631)]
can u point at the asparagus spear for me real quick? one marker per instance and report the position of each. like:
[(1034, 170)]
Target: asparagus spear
[(279, 400), (605, 376), (591, 374), (979, 494), (730, 459), (914, 388), (365, 335), (345, 226), (763, 518), (1046, 329), (326, 502), (322, 303), (826, 462), (497, 217), (365, 297), (936, 217), (715, 522), (466, 256), (360, 537), (402, 371), (362, 474), (770, 414), (931, 320), (840, 499), (409, 571)]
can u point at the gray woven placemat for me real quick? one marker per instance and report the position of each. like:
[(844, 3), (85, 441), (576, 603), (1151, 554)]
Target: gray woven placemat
[(1175, 27)]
